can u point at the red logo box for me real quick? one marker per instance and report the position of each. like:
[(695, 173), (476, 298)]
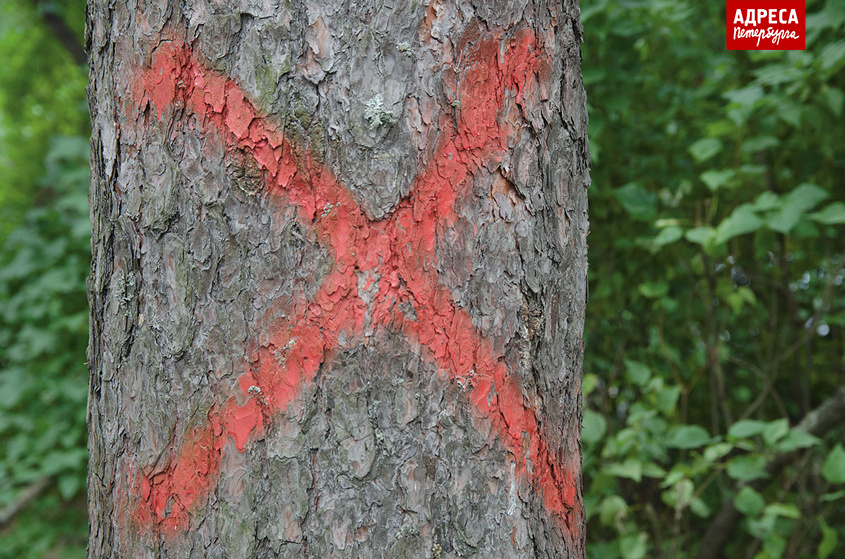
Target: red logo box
[(766, 24)]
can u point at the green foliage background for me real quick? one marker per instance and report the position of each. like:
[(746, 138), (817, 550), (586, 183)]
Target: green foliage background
[(716, 312), (716, 318), (44, 259)]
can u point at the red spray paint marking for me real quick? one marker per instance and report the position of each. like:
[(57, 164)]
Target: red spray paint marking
[(397, 252)]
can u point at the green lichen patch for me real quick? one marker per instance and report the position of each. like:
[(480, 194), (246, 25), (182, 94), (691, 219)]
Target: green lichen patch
[(377, 114)]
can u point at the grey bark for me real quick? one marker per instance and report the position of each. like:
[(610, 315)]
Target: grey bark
[(382, 455)]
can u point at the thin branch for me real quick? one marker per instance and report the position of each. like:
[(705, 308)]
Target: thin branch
[(64, 34), (825, 417), (26, 496), (768, 389)]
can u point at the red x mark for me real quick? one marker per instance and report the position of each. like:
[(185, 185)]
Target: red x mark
[(397, 253)]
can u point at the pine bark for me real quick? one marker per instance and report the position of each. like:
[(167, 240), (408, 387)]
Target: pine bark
[(339, 277)]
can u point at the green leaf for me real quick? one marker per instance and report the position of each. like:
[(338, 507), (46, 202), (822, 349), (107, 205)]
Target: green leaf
[(747, 468), (835, 496), (789, 111), (633, 546), (69, 486), (739, 297), (762, 527), (699, 507), (777, 74), (653, 290), (669, 304), (784, 220), (589, 384), (834, 12), (806, 196), (667, 236), (832, 55), (704, 149), (700, 235), (746, 428), (716, 179), (611, 508), (794, 206), (759, 143), (593, 428), (768, 200), (62, 461), (830, 538), (741, 221), (650, 469), (676, 475), (687, 436), (596, 8), (717, 451), (749, 502), (631, 469), (775, 431), (797, 439), (752, 170), (786, 510), (817, 21), (637, 201), (667, 399), (832, 214), (14, 384), (679, 495), (747, 96), (774, 545), (833, 469), (637, 372), (743, 102), (835, 99)]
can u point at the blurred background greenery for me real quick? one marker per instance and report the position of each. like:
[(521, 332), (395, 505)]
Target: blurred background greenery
[(716, 320), (44, 259)]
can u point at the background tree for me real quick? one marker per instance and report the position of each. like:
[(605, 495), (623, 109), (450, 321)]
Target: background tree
[(339, 279)]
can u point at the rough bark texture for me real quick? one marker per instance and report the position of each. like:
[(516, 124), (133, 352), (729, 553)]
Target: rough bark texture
[(339, 279)]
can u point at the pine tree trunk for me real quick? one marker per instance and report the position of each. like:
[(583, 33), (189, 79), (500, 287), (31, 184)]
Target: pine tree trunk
[(339, 279)]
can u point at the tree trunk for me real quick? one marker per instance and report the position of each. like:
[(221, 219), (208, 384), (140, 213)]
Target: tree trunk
[(339, 279)]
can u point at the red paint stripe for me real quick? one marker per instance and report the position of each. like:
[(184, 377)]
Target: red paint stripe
[(398, 252)]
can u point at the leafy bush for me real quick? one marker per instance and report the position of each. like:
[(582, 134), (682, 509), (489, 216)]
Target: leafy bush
[(43, 379), (716, 312)]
